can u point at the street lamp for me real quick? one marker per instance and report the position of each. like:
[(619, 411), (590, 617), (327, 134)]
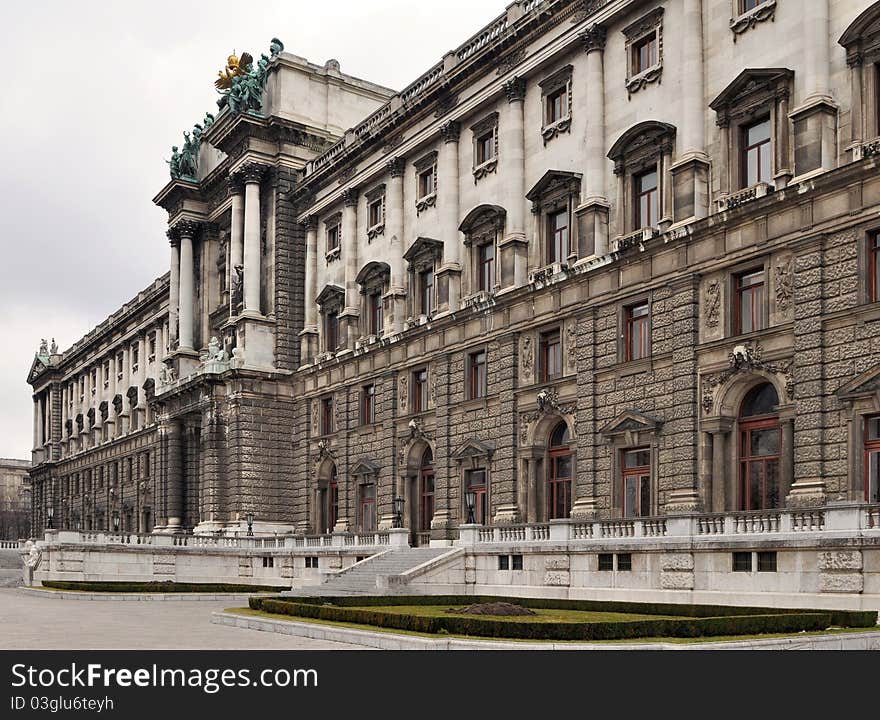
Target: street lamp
[(470, 499), (115, 521), (50, 512), (398, 511), (249, 519)]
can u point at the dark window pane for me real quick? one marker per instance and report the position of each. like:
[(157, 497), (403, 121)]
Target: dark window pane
[(766, 562), (761, 400), (624, 561), (504, 562), (742, 562), (606, 561)]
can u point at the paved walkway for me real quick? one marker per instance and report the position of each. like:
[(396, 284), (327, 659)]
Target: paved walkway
[(36, 623)]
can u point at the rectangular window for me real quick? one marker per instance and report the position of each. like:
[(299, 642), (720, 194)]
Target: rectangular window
[(755, 153), (485, 146), (334, 233), (872, 459), (268, 562), (477, 375), (135, 357), (749, 311), (106, 373), (746, 5), (420, 391), (151, 344), (742, 562), (475, 482), (766, 562), (368, 404), (312, 562), (636, 466), (326, 415), (624, 562), (874, 265), (516, 562), (375, 316), (486, 260), (374, 213), (94, 379), (551, 355), (606, 562), (647, 205), (120, 365), (368, 508), (331, 330), (557, 236), (638, 331), (426, 183), (426, 292), (557, 106), (504, 562), (644, 54)]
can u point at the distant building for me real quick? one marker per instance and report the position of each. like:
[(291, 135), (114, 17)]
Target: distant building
[(15, 498)]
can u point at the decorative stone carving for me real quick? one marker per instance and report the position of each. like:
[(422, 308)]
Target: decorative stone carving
[(594, 38), (510, 61), (840, 560), (315, 427), (841, 582), (588, 7), (557, 562), (571, 343), (762, 12), (548, 403), (784, 285), (677, 580), (396, 167), (515, 89), (403, 393), (557, 578), (713, 303), (677, 561), (561, 79), (432, 379), (527, 354), (450, 131), (745, 358)]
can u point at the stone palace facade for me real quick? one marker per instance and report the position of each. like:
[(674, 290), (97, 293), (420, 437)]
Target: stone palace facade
[(605, 260)]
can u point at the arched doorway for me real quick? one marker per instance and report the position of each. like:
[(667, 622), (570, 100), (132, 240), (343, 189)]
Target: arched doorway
[(426, 499), (760, 441), (327, 504), (559, 473)]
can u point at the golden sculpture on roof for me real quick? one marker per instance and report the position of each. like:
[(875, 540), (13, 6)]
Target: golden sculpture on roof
[(235, 67)]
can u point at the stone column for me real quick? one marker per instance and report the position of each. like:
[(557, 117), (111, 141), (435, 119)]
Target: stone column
[(140, 379), (533, 513), (817, 39), (64, 391), (37, 422), (394, 228), (174, 285), (187, 290), (309, 334), (513, 247), (786, 456), (111, 407), (252, 174), (350, 315), (449, 274), (236, 244), (856, 89), (592, 215), (723, 488), (173, 436)]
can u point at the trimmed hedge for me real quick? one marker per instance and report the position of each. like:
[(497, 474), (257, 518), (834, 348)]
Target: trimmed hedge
[(167, 586), (691, 621)]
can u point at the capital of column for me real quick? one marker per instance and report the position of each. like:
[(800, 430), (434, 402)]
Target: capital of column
[(594, 38), (396, 167), (310, 223), (450, 131), (187, 228), (515, 89), (173, 237), (350, 197), (234, 184), (251, 172)]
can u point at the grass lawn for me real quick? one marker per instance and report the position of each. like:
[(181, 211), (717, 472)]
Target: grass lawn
[(371, 628), (543, 615)]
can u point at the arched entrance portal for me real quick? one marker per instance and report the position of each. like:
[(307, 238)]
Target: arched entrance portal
[(327, 500), (559, 473), (425, 495), (760, 441)]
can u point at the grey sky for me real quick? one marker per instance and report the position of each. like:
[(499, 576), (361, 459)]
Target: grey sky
[(95, 94)]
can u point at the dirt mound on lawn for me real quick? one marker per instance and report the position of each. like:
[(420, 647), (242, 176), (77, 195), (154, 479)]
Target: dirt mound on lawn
[(494, 608)]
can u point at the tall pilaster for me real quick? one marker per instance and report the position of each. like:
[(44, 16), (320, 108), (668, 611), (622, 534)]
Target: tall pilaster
[(394, 224), (513, 246), (351, 313), (449, 274), (251, 175), (236, 245), (593, 211), (309, 334)]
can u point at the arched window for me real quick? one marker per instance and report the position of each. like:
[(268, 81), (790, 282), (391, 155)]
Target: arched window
[(426, 497), (560, 472), (759, 446)]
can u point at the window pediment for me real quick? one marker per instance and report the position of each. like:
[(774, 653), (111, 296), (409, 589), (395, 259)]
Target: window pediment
[(862, 37), (644, 141), (554, 184), (365, 468), (631, 421), (373, 276), (752, 89), (865, 385), (483, 219), (473, 448), (331, 295), (423, 253)]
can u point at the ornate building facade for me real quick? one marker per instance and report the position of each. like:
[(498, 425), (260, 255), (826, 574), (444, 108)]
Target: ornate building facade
[(605, 260)]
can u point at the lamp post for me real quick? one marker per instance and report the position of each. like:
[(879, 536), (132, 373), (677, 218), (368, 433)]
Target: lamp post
[(50, 512), (398, 511), (249, 519), (116, 521), (470, 499)]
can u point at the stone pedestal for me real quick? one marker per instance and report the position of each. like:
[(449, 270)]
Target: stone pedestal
[(514, 255), (806, 493), (184, 362), (349, 326), (506, 515), (815, 136), (690, 189), (592, 227), (586, 508), (441, 525), (255, 342), (308, 345), (398, 538), (448, 280)]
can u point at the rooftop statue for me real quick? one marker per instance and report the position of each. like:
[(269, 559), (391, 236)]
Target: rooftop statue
[(242, 82), (174, 163), (235, 67), (188, 156)]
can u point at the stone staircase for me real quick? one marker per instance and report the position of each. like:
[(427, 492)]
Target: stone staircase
[(361, 578)]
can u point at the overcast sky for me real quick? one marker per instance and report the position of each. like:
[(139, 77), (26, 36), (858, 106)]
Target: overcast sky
[(93, 96)]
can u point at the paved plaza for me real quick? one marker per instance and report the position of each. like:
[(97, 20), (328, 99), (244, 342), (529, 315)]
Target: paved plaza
[(35, 623)]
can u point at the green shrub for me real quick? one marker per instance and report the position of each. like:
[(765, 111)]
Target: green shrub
[(689, 621), (167, 586)]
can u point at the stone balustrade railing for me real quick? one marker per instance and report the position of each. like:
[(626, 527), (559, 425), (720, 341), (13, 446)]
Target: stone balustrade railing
[(841, 518), (278, 542), (11, 544)]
